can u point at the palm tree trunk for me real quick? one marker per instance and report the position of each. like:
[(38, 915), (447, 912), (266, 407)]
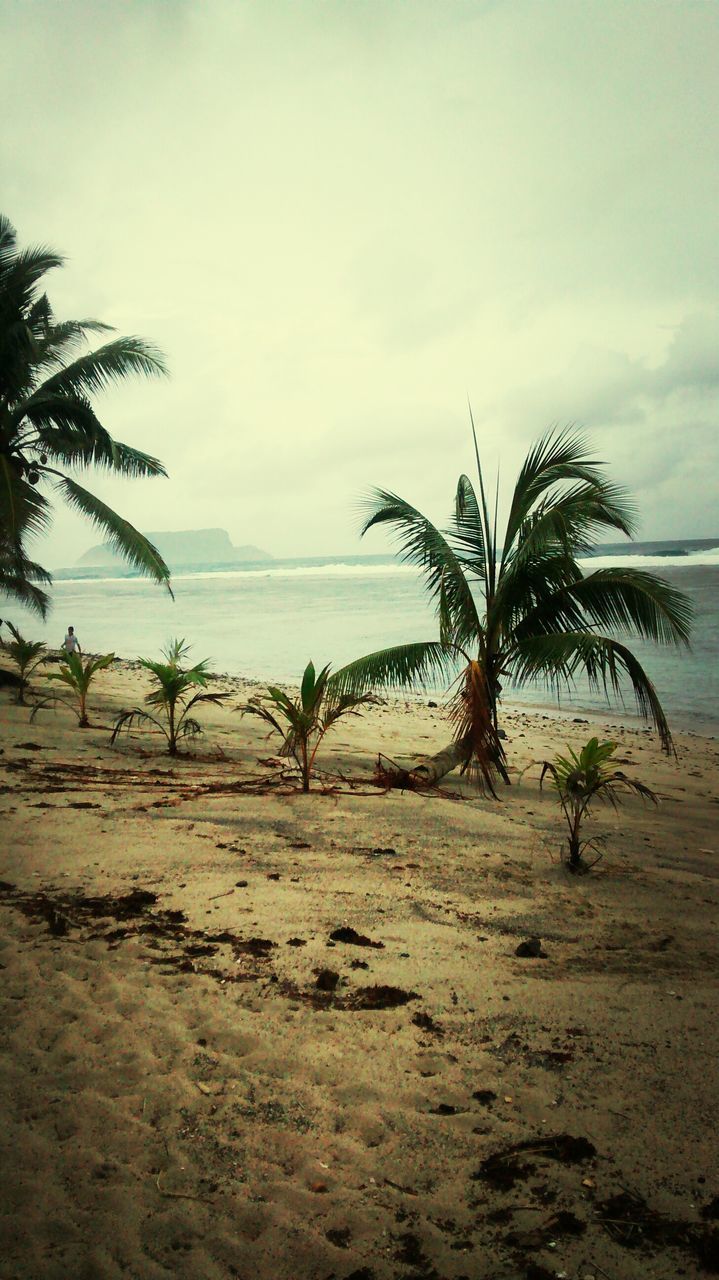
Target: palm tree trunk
[(428, 772), (575, 857), (305, 766)]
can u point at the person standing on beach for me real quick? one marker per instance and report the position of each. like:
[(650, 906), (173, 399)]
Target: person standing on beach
[(71, 644)]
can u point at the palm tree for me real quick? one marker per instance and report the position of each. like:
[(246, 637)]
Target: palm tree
[(172, 697), (27, 655), (48, 423), (579, 780), (78, 676), (304, 721), (523, 609)]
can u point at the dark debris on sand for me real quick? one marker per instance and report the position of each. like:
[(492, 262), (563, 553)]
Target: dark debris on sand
[(136, 914), (347, 934)]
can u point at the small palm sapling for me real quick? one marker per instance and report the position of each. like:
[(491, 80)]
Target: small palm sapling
[(172, 698), (78, 677), (27, 655), (303, 722), (581, 779)]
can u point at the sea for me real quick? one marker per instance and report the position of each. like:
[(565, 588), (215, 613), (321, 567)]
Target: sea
[(265, 621)]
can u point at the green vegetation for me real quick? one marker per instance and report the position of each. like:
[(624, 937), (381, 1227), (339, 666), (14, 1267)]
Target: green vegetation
[(173, 698), (48, 422), (78, 677), (303, 722), (581, 779), (27, 656), (522, 609)]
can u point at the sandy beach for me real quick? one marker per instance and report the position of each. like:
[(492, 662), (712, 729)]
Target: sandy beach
[(180, 1096)]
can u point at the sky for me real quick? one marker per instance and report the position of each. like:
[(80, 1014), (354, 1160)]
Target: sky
[(343, 220)]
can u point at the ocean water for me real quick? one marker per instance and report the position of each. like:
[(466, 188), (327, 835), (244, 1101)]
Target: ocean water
[(265, 622)]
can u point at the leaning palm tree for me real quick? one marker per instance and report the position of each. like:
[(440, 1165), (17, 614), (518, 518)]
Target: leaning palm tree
[(48, 424), (523, 609)]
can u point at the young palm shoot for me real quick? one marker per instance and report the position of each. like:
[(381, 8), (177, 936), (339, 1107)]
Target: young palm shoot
[(303, 722), (27, 655), (581, 779), (173, 697), (78, 676)]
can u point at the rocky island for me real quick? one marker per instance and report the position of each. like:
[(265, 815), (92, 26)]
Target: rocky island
[(191, 546)]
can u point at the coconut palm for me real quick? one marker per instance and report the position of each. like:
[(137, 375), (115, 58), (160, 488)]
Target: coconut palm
[(303, 722), (172, 698), (523, 609), (48, 423), (27, 655), (78, 676), (579, 780)]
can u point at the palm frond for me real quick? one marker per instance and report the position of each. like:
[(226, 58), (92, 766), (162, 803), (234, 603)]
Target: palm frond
[(422, 663), (69, 431), (570, 521), (60, 421), (96, 370), (189, 728), (18, 588), (20, 273), (606, 662), (77, 674), (345, 705), (127, 719), (176, 650), (61, 340), (263, 713), (422, 544), (215, 698), (562, 456), (122, 536), (468, 531), (635, 601), (24, 511), (489, 530)]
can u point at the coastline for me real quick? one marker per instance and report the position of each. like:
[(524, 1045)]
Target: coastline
[(611, 719), (252, 623), (189, 1098)]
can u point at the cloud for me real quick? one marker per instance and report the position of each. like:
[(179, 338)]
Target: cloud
[(340, 220)]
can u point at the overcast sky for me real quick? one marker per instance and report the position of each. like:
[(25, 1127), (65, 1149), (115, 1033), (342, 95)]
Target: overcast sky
[(341, 219)]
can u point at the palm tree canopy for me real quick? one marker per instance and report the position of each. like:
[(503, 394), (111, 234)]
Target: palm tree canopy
[(48, 423), (523, 608)]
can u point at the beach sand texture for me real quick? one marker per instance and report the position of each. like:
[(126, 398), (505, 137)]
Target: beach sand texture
[(180, 1098)]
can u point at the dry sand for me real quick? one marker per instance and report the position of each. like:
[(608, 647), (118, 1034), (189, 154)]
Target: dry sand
[(180, 1099)]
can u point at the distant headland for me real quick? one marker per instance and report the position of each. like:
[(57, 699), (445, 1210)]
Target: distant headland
[(191, 546)]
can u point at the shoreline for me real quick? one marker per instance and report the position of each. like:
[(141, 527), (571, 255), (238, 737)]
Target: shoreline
[(613, 717)]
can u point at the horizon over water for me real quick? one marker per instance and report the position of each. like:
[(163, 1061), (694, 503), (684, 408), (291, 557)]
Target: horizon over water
[(265, 621)]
